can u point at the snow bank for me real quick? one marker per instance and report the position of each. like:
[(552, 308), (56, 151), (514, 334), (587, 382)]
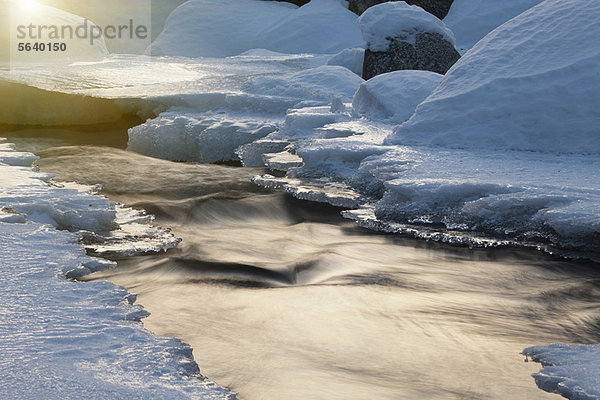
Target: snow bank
[(471, 20), (395, 95), (64, 339), (350, 58), (570, 370), (220, 28), (396, 19), (529, 85), (239, 119), (107, 229)]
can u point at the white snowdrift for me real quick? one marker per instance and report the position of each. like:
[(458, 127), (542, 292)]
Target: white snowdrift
[(67, 340), (471, 20), (350, 58), (394, 96), (529, 85), (570, 370), (220, 28), (397, 19)]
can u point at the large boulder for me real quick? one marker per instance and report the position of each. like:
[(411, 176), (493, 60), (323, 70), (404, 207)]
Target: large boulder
[(404, 37), (439, 8)]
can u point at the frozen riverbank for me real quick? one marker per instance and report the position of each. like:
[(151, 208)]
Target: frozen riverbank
[(62, 339)]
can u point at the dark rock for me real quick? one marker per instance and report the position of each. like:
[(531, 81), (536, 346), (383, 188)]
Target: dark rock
[(299, 3), (439, 8), (431, 52)]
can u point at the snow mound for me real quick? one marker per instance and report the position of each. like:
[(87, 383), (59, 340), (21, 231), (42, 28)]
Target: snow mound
[(396, 19), (529, 85), (350, 58), (220, 28), (471, 20), (570, 370), (395, 95)]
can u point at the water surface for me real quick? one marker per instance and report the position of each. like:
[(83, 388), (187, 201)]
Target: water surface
[(283, 299)]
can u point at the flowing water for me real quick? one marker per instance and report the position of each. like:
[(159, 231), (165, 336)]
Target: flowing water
[(284, 299)]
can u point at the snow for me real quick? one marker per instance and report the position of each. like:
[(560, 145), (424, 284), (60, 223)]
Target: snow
[(570, 370), (505, 148), (196, 137), (63, 339), (398, 20), (350, 58), (25, 14), (220, 28), (471, 20), (181, 134), (107, 13), (502, 150), (395, 95), (319, 83), (529, 85)]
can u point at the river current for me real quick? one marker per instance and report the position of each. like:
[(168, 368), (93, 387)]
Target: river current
[(284, 299)]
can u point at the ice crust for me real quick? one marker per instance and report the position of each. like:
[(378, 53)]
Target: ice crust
[(570, 370), (62, 339)]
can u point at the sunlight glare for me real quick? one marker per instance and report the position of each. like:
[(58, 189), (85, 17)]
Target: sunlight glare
[(29, 6)]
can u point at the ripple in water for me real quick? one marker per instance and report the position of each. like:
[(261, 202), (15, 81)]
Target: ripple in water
[(283, 299)]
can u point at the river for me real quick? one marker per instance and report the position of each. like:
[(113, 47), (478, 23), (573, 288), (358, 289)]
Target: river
[(284, 299)]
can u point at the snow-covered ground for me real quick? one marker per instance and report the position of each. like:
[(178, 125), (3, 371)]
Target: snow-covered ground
[(63, 339), (503, 149)]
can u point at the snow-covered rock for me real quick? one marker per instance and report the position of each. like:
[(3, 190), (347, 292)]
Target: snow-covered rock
[(398, 20), (471, 20), (439, 8), (395, 95), (529, 85), (402, 37), (221, 28)]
